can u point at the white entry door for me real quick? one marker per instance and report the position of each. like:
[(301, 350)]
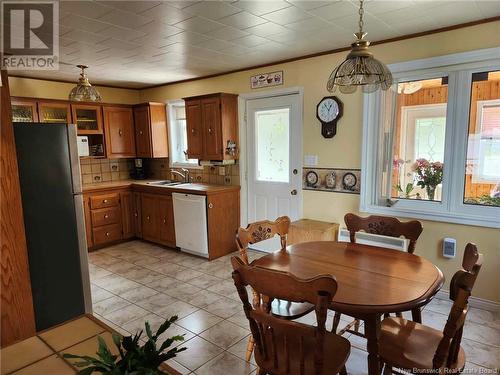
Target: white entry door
[(274, 144)]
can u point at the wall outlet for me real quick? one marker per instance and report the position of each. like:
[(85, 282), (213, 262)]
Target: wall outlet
[(310, 160), (449, 247), (222, 171)]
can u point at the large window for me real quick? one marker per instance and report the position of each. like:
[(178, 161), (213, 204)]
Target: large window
[(482, 174), (178, 136), (432, 143)]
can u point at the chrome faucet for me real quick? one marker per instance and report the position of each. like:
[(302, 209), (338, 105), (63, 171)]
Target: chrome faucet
[(184, 176)]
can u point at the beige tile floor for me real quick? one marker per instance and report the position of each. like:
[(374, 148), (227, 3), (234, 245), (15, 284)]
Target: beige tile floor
[(136, 282)]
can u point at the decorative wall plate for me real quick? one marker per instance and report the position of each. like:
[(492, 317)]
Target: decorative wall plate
[(330, 180), (349, 181), (312, 179), (338, 180)]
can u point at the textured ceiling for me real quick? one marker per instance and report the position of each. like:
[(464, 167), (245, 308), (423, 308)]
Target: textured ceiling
[(142, 43)]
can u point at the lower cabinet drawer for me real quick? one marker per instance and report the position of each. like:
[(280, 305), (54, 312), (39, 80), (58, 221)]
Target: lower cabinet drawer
[(105, 216), (104, 200), (107, 233)]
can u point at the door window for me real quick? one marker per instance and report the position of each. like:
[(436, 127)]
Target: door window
[(272, 141)]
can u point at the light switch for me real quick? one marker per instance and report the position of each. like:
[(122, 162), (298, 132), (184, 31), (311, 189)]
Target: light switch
[(222, 171), (310, 160)]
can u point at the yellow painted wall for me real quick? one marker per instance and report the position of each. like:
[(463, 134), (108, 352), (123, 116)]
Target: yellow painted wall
[(36, 88), (345, 149)]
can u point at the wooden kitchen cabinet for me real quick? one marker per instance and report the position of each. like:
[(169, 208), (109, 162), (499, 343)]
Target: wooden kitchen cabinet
[(223, 220), (104, 218), (145, 211), (166, 222), (88, 118), (158, 219), (194, 129), (212, 126), (151, 135), (119, 132), (137, 214), (54, 112), (150, 217), (128, 211), (24, 110)]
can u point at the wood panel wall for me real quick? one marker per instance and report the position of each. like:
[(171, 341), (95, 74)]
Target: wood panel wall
[(18, 319)]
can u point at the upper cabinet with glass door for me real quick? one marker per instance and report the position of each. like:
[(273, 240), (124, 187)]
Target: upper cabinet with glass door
[(54, 112), (24, 110), (88, 118)]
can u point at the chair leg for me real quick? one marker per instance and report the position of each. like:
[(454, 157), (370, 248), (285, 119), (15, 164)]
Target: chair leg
[(343, 371), (386, 315), (387, 369), (416, 315), (356, 325), (399, 314), (336, 321), (250, 347)]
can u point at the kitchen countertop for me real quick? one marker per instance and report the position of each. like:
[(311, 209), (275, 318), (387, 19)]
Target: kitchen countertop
[(193, 188)]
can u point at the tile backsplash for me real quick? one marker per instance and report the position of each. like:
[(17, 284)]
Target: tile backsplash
[(106, 170), (218, 175)]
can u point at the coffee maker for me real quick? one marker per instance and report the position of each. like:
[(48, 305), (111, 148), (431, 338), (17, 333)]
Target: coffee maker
[(138, 171)]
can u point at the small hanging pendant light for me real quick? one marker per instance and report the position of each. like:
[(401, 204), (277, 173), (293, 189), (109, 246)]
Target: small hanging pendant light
[(360, 68), (84, 91)]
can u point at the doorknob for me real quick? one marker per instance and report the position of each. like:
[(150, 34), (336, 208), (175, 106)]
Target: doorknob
[(293, 192)]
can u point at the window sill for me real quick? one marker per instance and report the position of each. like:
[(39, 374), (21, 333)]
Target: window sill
[(186, 165), (447, 217)]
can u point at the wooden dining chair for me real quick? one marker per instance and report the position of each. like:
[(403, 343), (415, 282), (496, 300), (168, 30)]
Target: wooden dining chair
[(284, 346), (386, 226), (257, 232), (407, 345)]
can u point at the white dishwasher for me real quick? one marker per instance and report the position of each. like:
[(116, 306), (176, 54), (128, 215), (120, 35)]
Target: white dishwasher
[(190, 217)]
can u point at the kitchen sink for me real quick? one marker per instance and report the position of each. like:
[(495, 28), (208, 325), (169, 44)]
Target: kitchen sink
[(165, 183)]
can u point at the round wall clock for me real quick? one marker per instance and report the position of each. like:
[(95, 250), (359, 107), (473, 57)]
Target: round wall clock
[(329, 111), (349, 181), (311, 178)]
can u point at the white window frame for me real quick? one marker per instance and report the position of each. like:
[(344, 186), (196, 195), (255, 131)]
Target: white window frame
[(477, 177), (459, 69), (173, 136)]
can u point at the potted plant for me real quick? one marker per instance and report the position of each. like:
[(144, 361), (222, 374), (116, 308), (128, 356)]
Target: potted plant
[(134, 359), (428, 175), (407, 190)]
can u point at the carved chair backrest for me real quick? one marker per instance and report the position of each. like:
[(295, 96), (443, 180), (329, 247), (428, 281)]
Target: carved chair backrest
[(260, 231), (384, 225), (280, 341), (460, 290)]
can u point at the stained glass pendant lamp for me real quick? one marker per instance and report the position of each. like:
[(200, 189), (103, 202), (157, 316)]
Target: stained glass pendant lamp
[(84, 91), (360, 68)]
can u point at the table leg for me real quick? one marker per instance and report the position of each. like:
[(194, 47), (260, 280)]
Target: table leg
[(416, 315), (372, 333)]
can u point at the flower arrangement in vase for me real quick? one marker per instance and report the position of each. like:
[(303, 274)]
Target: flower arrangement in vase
[(428, 175)]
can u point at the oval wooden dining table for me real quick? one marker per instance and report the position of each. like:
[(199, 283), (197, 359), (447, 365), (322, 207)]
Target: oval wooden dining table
[(371, 281)]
